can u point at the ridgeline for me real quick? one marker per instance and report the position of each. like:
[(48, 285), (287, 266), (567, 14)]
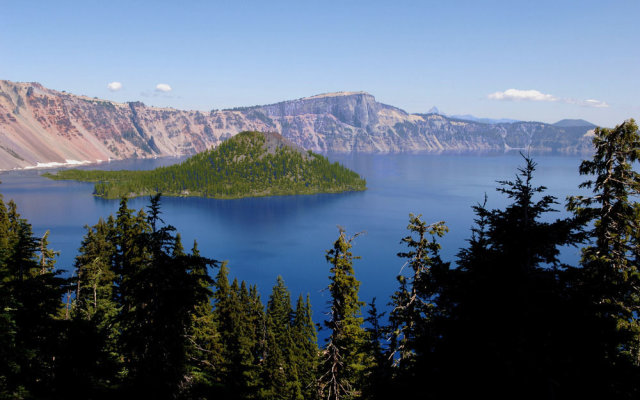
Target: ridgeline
[(250, 164)]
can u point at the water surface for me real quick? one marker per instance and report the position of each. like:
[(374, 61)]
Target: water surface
[(265, 237)]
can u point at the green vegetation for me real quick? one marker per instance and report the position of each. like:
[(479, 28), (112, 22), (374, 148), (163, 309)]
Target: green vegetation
[(246, 165), (142, 318), (344, 359)]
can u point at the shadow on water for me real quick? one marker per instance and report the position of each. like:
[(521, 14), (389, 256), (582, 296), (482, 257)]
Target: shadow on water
[(246, 212)]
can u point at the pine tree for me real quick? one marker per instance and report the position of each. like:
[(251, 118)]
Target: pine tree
[(31, 291), (131, 252), (610, 276), (504, 323), (204, 349), (88, 361), (274, 377), (257, 322), (378, 382), (8, 351), (413, 303), (248, 325), (306, 355), (239, 373), (280, 373), (162, 291), (343, 362), (94, 295), (223, 317)]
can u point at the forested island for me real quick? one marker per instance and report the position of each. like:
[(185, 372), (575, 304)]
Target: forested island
[(249, 164), (142, 317)]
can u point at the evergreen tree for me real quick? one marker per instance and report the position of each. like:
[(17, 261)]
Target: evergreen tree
[(131, 253), (161, 295), (378, 382), (8, 351), (30, 294), (609, 279), (88, 364), (204, 346), (280, 373), (504, 325), (257, 321), (305, 341), (223, 319), (274, 377), (94, 291), (239, 372), (413, 303), (249, 325), (343, 363)]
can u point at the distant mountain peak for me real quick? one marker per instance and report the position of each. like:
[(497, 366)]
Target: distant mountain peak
[(491, 121), (471, 118), (570, 123)]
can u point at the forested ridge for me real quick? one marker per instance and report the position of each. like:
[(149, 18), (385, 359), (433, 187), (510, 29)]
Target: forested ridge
[(248, 164), (142, 317)]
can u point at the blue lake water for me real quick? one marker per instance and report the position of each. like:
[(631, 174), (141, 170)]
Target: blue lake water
[(266, 237)]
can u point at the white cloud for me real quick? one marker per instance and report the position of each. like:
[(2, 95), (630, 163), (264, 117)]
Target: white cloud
[(518, 95), (163, 87), (535, 95), (594, 103), (114, 86)]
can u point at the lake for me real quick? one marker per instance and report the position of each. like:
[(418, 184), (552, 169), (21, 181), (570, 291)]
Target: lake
[(266, 237)]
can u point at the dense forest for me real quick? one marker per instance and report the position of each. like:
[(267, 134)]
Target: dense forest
[(247, 164), (141, 317)]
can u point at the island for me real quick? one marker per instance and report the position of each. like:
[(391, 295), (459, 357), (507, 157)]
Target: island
[(249, 164)]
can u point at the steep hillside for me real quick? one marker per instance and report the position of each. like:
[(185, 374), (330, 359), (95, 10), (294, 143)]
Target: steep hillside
[(40, 126), (247, 165), (355, 121)]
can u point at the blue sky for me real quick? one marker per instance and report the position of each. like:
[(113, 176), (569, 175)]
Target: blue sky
[(530, 60)]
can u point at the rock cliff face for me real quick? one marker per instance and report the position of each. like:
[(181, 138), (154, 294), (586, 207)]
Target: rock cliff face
[(40, 126), (347, 121)]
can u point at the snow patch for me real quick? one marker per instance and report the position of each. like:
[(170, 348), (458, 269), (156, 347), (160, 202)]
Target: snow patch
[(55, 164)]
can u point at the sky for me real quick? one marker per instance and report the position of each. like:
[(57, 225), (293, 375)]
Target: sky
[(528, 60)]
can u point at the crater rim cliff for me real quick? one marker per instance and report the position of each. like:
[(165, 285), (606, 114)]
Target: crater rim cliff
[(45, 127)]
